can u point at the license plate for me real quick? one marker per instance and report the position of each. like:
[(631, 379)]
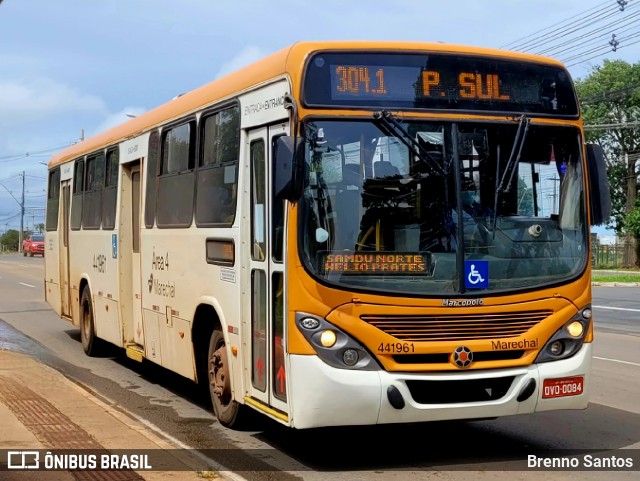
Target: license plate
[(561, 387)]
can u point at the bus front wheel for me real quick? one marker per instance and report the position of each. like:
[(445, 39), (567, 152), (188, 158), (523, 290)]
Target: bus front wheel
[(225, 408), (87, 328)]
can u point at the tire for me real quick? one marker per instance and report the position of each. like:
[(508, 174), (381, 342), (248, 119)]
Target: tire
[(24, 253), (87, 326), (228, 411)]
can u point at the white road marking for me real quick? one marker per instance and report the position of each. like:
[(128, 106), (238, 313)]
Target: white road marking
[(617, 308), (228, 474), (617, 360), (28, 285)]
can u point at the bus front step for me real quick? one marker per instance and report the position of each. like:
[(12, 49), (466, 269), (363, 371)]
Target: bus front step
[(134, 352)]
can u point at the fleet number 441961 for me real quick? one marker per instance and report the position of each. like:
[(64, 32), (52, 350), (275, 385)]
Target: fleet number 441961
[(396, 347)]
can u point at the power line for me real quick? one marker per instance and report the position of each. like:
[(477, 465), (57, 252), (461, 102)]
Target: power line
[(606, 47), (21, 203), (49, 150), (6, 219), (583, 37), (553, 50), (601, 54), (602, 48), (519, 42), (571, 29), (7, 179), (611, 94)]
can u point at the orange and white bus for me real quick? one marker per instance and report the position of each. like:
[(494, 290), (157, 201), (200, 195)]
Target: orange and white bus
[(344, 233)]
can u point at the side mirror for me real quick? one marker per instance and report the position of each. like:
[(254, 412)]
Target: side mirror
[(288, 158), (599, 193)]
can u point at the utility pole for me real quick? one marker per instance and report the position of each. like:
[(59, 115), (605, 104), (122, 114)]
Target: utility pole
[(21, 216), (554, 195)]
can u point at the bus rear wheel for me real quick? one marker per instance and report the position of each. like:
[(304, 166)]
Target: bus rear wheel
[(87, 328), (224, 407)]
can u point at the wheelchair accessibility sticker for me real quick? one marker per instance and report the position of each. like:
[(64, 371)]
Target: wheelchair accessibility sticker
[(476, 274)]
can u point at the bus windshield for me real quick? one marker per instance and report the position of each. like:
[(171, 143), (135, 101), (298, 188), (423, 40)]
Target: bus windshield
[(437, 208)]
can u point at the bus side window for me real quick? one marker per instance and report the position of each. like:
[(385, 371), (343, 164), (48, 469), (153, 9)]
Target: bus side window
[(53, 200), (92, 200), (217, 175), (277, 218), (110, 192), (176, 183), (78, 193), (152, 178), (258, 197)]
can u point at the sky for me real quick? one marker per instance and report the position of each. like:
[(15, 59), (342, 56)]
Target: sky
[(73, 68)]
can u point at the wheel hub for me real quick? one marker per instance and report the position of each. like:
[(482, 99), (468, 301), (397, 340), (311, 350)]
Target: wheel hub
[(218, 375)]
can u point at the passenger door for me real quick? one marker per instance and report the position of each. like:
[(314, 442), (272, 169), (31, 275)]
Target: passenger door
[(264, 295), (129, 258), (63, 243)]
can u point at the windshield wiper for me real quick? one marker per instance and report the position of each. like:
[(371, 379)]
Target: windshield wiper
[(392, 127), (510, 167)]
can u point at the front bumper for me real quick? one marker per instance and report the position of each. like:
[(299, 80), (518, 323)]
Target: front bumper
[(325, 396)]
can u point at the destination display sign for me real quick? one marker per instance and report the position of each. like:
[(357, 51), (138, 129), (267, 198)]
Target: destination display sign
[(376, 263), (438, 81)]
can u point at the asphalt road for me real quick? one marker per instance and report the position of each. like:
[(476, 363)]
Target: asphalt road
[(170, 405)]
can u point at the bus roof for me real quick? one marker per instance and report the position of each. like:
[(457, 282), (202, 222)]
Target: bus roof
[(288, 61)]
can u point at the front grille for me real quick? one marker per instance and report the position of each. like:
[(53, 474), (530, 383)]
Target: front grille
[(443, 358), (463, 391), (448, 327)]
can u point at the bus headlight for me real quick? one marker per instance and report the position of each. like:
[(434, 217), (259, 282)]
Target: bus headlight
[(328, 338), (575, 329), (334, 346), (568, 339)]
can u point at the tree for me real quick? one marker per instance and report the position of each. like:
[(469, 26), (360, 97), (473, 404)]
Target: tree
[(10, 239), (525, 198), (632, 226), (610, 95), (40, 228)]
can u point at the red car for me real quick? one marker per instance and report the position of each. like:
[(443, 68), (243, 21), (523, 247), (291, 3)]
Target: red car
[(33, 244)]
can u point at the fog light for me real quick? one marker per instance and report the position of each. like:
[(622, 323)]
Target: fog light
[(328, 338), (575, 329), (556, 348), (586, 313), (350, 357), (310, 323)]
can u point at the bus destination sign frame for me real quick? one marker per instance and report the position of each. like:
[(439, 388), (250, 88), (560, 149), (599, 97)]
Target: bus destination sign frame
[(438, 81)]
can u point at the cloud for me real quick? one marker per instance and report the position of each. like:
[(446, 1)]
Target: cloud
[(243, 58), (119, 118), (42, 99)]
